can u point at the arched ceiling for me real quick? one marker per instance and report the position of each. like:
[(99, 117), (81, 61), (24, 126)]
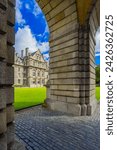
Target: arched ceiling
[(84, 7)]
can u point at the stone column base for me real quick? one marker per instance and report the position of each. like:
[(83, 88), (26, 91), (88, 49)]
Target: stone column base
[(71, 108), (16, 145)]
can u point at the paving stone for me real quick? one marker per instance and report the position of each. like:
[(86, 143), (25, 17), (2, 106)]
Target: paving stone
[(41, 129)]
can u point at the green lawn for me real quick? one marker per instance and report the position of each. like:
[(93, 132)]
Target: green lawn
[(98, 93), (26, 97)]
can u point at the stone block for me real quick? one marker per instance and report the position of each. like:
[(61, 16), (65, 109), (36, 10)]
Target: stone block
[(72, 8), (10, 75), (73, 100), (61, 52), (2, 72), (98, 11), (3, 4), (2, 98), (45, 2), (89, 109), (65, 93), (10, 35), (11, 15), (95, 18), (63, 21), (10, 54), (3, 47), (10, 113), (59, 64), (47, 8), (55, 3), (3, 21), (10, 133), (93, 103), (83, 110), (62, 98), (48, 91), (64, 39), (66, 44), (74, 109), (73, 25), (3, 126), (3, 142), (53, 97), (63, 5), (12, 2), (57, 106), (9, 95)]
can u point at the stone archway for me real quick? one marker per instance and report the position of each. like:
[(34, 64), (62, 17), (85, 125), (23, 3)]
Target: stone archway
[(73, 24)]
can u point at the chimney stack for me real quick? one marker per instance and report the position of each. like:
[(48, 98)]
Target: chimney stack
[(22, 53), (26, 51)]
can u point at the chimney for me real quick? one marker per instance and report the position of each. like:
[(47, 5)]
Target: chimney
[(22, 53), (26, 51), (16, 54)]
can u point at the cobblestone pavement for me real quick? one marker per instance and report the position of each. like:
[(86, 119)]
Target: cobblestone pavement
[(41, 129)]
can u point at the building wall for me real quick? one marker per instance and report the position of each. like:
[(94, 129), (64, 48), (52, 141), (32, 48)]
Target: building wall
[(30, 71), (7, 40)]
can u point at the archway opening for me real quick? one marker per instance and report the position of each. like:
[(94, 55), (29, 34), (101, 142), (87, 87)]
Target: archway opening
[(97, 62), (31, 64)]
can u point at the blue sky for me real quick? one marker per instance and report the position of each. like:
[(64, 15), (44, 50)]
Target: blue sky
[(31, 29), (97, 48)]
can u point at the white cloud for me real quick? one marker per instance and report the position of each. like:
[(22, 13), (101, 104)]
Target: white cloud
[(25, 38), (97, 54), (46, 56), (37, 10), (44, 47), (27, 6), (19, 17), (97, 48)]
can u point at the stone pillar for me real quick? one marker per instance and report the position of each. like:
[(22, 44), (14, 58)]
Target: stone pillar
[(71, 72), (7, 40)]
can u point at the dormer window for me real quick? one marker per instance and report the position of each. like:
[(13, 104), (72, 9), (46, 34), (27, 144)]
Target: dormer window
[(37, 56)]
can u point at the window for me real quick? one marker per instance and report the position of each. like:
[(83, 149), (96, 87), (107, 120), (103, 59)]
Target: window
[(37, 56), (34, 73), (19, 74), (24, 82), (43, 81), (34, 82), (19, 81), (34, 63), (24, 75), (19, 69), (38, 81), (42, 73), (38, 73)]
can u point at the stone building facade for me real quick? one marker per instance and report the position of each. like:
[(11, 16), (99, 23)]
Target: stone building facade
[(30, 70)]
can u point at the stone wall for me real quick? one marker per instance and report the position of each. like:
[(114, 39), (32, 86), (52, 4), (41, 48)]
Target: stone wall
[(72, 66), (94, 22), (7, 40), (72, 71)]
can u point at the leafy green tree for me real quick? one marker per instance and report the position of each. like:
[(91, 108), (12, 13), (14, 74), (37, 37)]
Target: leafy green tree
[(97, 75)]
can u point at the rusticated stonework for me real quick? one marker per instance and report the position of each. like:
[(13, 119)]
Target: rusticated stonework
[(71, 86)]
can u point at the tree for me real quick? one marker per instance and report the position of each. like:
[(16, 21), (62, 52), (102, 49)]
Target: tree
[(97, 75)]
